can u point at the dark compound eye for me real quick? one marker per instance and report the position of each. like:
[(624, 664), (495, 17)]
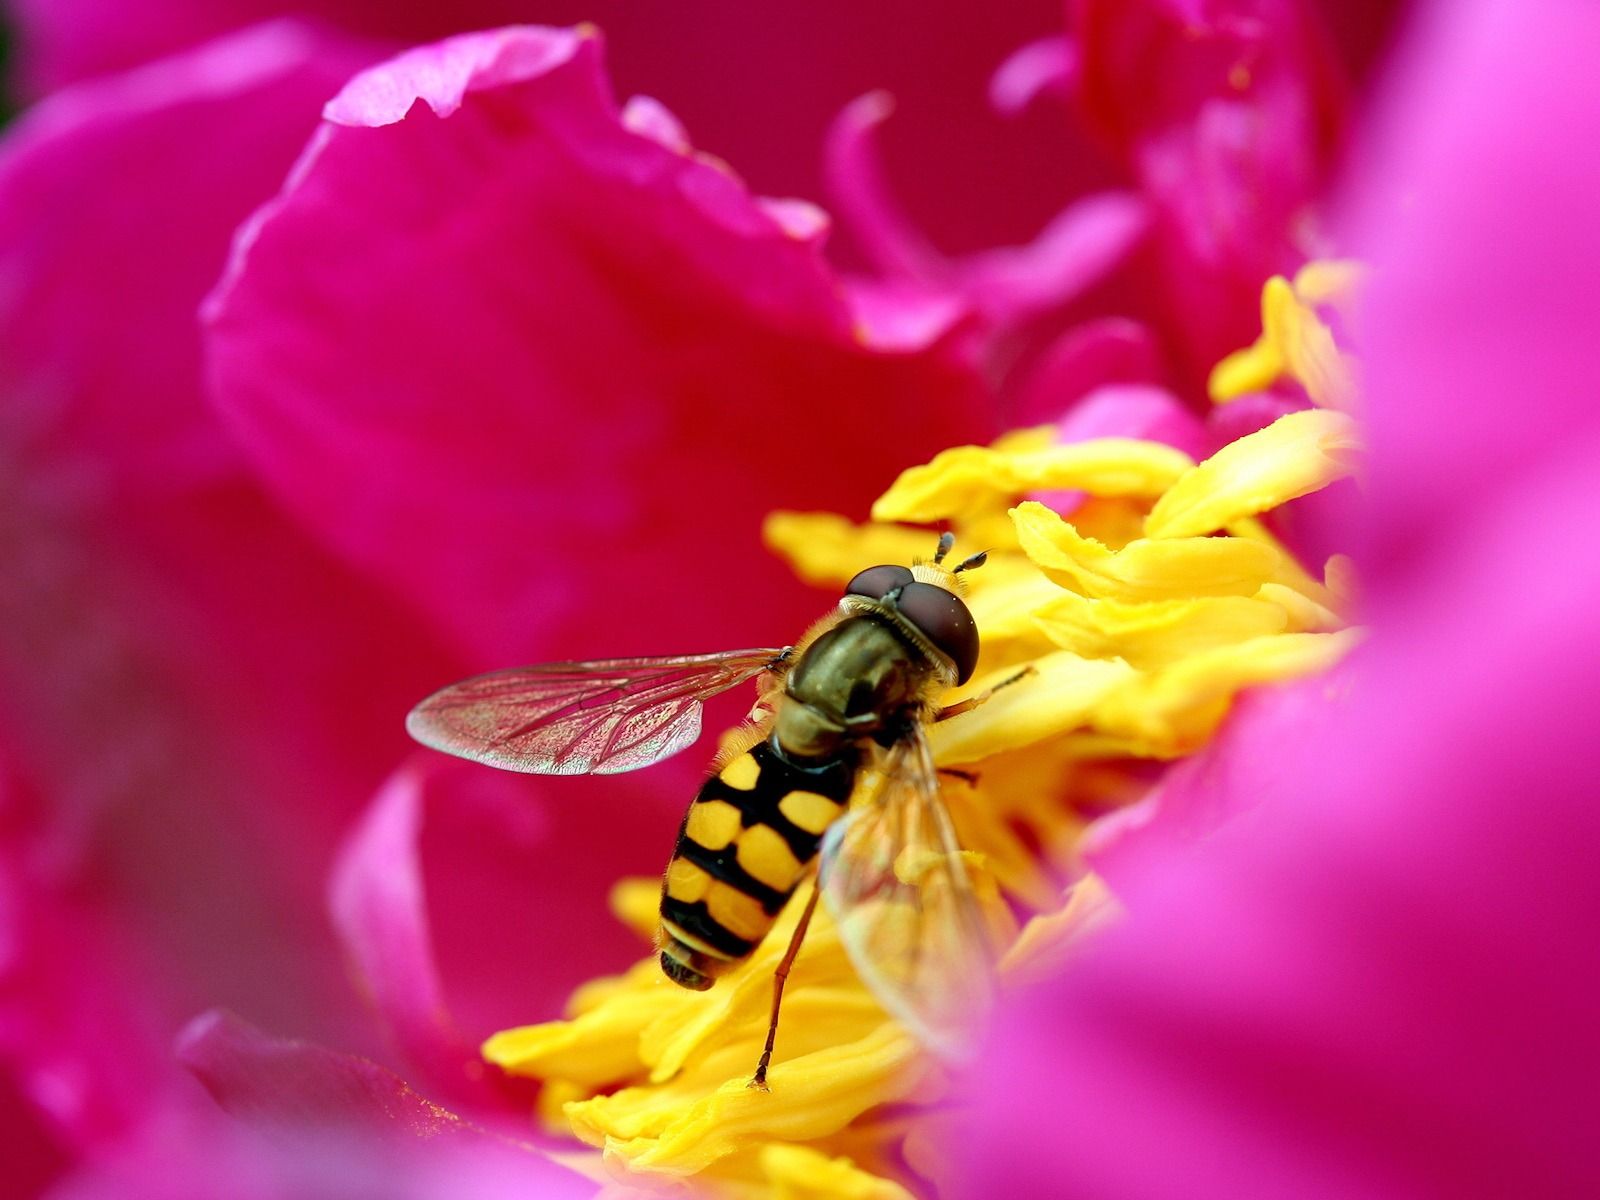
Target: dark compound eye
[(877, 582), (944, 620)]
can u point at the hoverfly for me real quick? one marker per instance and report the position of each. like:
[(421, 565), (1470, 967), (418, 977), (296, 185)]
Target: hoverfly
[(846, 705)]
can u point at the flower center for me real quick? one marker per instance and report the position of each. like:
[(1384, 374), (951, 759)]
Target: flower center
[(1141, 613)]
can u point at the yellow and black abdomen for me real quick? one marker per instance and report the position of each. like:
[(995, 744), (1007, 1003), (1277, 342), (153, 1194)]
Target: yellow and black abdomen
[(744, 845)]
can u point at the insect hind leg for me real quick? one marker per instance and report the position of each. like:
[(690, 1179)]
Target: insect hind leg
[(779, 978)]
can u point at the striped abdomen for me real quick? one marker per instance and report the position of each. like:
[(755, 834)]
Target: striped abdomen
[(743, 848)]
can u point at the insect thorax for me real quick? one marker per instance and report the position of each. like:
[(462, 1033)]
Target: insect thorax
[(861, 679)]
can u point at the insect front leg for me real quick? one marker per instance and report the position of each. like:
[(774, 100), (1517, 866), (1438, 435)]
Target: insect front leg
[(779, 978), (972, 702)]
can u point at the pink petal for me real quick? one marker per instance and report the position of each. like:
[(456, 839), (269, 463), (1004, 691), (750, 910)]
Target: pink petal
[(1007, 286), (650, 118), (1104, 351), (1370, 987), (81, 1035), (1084, 243), (376, 900), (273, 1083), (336, 1122), (857, 186), (66, 1014), (902, 315), (1231, 421), (105, 257), (35, 1160), (1133, 410), (64, 41), (1244, 767), (517, 872), (536, 328), (759, 84), (221, 1158), (1229, 117), (1513, 318), (517, 876), (1046, 66)]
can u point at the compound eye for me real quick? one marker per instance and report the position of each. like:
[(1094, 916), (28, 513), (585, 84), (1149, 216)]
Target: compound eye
[(877, 582), (944, 621)]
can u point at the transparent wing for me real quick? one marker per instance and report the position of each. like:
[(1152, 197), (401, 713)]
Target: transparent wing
[(582, 718), (894, 880)]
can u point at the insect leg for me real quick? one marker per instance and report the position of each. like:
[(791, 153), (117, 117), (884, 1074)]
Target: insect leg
[(779, 978), (972, 702)]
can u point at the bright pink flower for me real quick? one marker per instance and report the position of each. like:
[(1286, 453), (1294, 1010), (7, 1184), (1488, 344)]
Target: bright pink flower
[(1377, 984), (498, 369)]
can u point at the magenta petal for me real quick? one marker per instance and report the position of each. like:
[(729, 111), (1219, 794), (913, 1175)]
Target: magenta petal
[(35, 1159), (377, 903), (545, 337), (1488, 288), (516, 889), (1133, 410), (1078, 248), (470, 900), (1228, 116), (1104, 351), (1048, 66), (64, 41), (1007, 285), (1243, 767), (272, 1083), (336, 1119), (1231, 421), (219, 1158), (858, 189), (518, 872), (900, 314), (443, 73), (1370, 986), (105, 257), (650, 118)]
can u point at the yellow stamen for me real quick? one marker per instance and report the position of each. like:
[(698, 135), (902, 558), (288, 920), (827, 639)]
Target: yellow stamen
[(969, 477), (1296, 454), (1294, 341)]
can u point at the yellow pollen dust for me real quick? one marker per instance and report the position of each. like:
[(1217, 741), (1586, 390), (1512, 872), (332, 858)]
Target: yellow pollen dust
[(1142, 613)]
